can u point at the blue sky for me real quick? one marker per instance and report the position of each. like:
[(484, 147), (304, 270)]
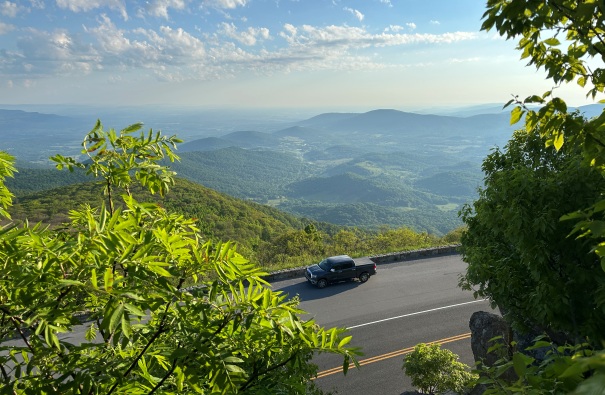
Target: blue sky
[(330, 54)]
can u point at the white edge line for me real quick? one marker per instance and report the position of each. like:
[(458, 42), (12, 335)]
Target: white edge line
[(416, 313)]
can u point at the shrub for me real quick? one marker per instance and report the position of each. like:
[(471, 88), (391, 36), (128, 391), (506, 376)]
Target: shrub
[(434, 370)]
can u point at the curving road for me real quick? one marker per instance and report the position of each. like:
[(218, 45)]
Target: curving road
[(406, 303)]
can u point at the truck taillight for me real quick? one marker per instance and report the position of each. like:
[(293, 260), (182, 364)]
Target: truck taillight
[(374, 266)]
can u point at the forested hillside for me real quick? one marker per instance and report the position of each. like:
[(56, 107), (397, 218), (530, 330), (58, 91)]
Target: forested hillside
[(251, 174), (262, 233), (220, 216)]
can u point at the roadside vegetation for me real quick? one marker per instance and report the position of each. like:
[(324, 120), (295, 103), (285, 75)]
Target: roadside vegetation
[(434, 370)]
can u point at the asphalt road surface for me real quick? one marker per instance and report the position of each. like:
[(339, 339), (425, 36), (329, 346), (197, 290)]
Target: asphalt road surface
[(404, 304)]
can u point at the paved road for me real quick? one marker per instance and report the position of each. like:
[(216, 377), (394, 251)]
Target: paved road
[(405, 304)]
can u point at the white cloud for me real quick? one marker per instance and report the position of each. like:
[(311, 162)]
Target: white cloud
[(9, 9), (357, 14), (179, 43), (345, 36), (466, 60), (110, 38), (411, 25), (159, 8), (334, 36), (225, 4), (394, 28), (387, 2), (176, 54), (88, 5), (169, 46), (42, 53), (248, 37), (170, 54), (290, 29), (5, 28), (403, 39), (39, 4), (432, 22)]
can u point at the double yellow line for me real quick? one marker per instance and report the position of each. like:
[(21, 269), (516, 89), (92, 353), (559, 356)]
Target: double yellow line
[(393, 354)]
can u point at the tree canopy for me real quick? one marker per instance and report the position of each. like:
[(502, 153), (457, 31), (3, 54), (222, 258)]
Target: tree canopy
[(519, 252), (541, 201), (164, 311)]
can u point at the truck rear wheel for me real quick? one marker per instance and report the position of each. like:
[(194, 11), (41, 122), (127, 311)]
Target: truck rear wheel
[(363, 277), (322, 283)]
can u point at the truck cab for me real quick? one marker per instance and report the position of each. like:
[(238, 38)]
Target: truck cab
[(338, 268)]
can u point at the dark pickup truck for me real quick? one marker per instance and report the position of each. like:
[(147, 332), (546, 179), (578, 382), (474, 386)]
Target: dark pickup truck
[(338, 268)]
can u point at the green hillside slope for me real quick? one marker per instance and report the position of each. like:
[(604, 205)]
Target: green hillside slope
[(220, 216), (258, 175), (266, 235), (429, 219), (28, 180)]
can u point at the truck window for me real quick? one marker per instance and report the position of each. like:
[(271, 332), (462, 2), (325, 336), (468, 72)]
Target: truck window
[(324, 265)]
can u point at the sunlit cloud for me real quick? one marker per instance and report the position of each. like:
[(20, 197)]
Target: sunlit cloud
[(89, 5), (121, 43), (225, 4), (176, 54), (394, 28), (154, 50), (356, 13), (464, 60), (247, 37), (50, 53), (159, 8)]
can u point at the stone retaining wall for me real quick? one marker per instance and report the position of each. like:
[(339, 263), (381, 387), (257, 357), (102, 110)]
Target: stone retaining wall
[(378, 259), (416, 254)]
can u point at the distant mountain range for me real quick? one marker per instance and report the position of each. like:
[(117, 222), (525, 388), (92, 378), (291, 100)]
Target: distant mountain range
[(381, 167)]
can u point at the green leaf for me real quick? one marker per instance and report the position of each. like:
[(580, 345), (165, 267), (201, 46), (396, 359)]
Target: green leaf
[(592, 385), (345, 364), (520, 363), (91, 332), (552, 41), (157, 268), (234, 369), (558, 141), (345, 341), (108, 278), (68, 283), (126, 326), (93, 278), (134, 310), (233, 359), (116, 317), (515, 115)]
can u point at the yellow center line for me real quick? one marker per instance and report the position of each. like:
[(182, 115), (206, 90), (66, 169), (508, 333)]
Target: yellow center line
[(391, 355)]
